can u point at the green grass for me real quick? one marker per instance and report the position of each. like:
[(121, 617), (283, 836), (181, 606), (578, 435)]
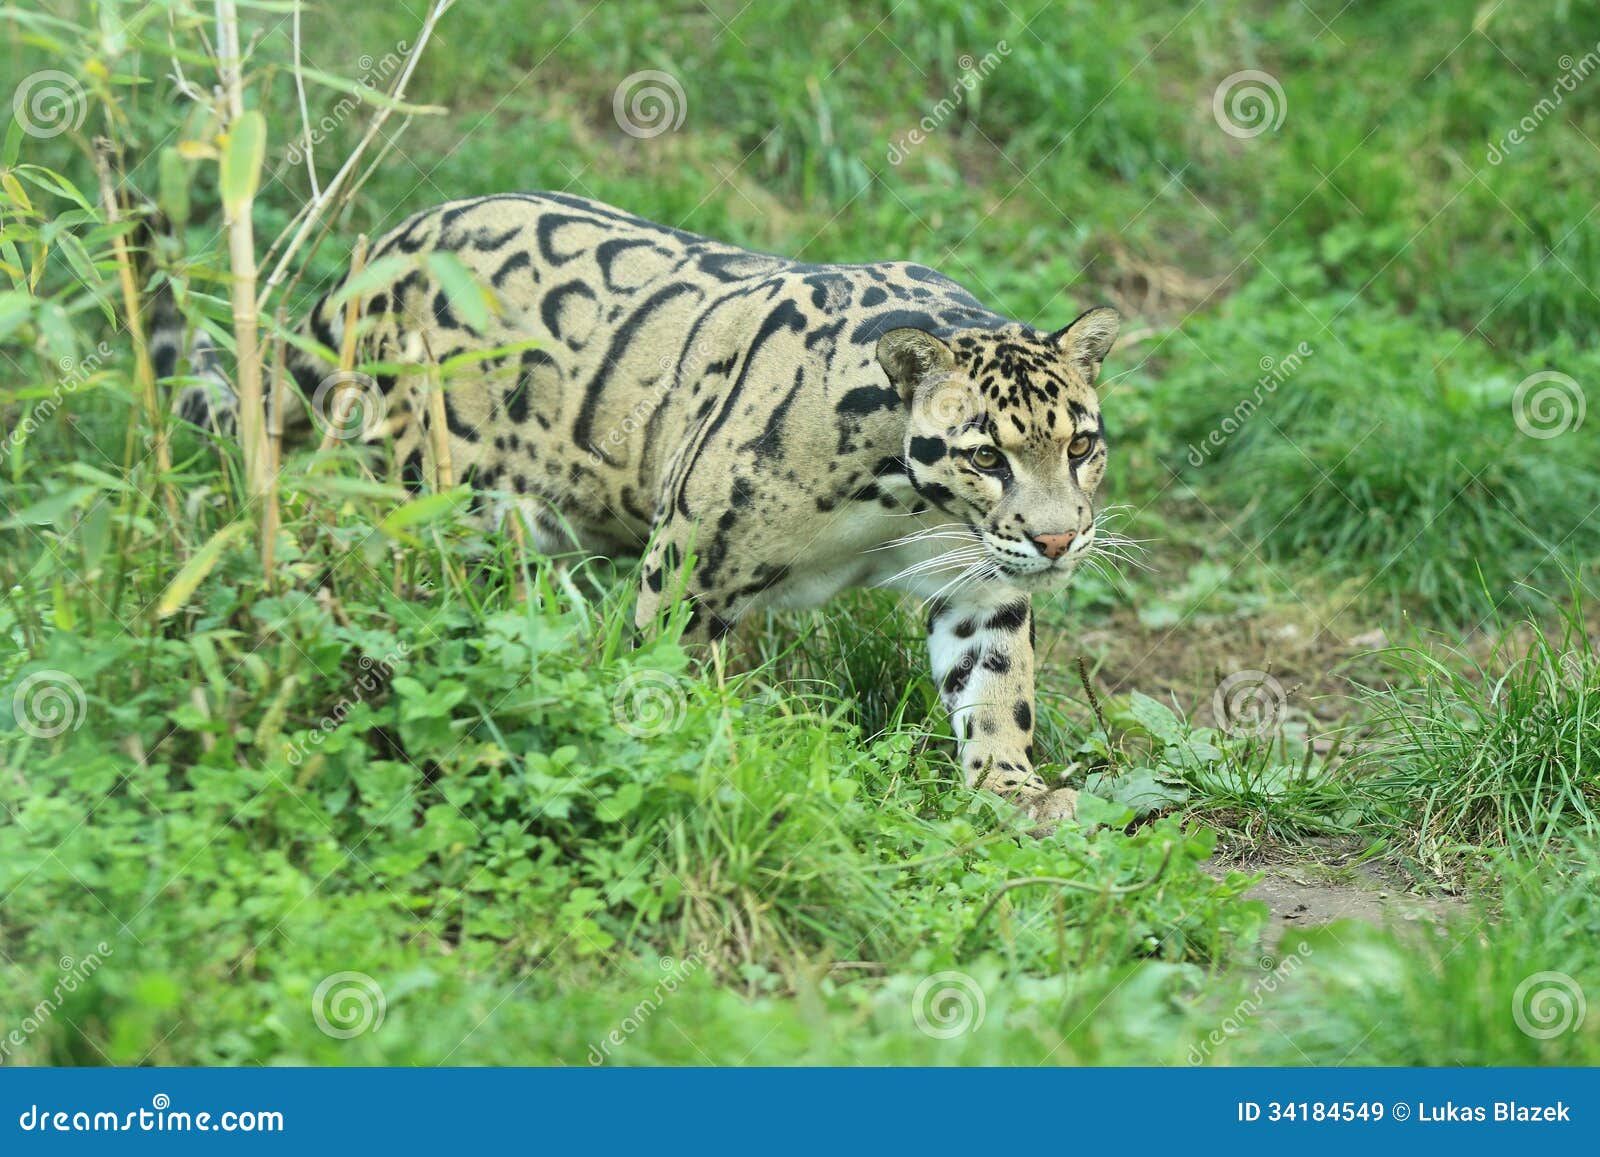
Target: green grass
[(1389, 452), (1493, 754), (417, 754)]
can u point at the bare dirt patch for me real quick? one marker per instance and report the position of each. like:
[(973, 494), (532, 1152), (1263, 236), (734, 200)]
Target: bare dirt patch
[(1303, 893)]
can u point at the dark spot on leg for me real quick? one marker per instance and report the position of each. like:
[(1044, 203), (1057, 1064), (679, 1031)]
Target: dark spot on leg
[(956, 679), (1009, 617)]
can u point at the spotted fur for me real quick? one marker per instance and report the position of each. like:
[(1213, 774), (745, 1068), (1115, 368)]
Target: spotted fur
[(796, 429)]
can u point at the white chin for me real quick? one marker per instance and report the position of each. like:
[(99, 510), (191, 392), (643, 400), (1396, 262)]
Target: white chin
[(1050, 578)]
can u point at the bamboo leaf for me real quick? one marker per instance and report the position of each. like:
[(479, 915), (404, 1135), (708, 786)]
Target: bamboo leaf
[(428, 508), (370, 95), (174, 194), (469, 299), (241, 160), (195, 570)]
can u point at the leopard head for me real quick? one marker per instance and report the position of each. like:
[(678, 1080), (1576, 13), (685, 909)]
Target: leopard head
[(1004, 434)]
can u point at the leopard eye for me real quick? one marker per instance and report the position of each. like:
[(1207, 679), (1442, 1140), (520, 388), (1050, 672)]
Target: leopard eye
[(987, 458), (1079, 446)]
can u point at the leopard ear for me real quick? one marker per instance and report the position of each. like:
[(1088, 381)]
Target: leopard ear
[(1088, 339), (909, 355)]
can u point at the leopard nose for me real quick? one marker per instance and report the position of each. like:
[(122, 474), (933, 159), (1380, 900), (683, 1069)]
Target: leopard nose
[(1053, 546)]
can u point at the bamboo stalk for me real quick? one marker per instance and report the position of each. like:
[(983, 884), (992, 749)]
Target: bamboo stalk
[(242, 285), (144, 373), (334, 189), (444, 474), (270, 515), (347, 351)]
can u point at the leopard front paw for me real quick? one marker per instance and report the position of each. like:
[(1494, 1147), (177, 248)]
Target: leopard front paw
[(1052, 808), (1027, 790)]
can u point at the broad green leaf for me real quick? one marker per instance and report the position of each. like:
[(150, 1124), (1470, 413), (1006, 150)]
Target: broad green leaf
[(1096, 812), (620, 805), (1155, 718)]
